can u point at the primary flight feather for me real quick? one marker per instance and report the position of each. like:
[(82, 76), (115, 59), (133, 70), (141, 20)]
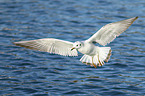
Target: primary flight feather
[(50, 45), (93, 55)]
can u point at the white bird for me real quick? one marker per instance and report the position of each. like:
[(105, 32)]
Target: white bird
[(93, 55)]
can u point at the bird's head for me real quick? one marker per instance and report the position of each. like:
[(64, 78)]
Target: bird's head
[(77, 45)]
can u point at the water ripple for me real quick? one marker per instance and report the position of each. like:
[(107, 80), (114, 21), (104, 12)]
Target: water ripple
[(33, 73)]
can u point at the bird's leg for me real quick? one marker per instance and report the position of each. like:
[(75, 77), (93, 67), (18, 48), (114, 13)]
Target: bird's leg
[(93, 63), (100, 64)]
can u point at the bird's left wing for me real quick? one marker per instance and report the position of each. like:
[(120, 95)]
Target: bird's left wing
[(109, 32), (50, 45)]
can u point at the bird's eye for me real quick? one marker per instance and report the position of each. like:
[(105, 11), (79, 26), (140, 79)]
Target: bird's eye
[(80, 44), (76, 45)]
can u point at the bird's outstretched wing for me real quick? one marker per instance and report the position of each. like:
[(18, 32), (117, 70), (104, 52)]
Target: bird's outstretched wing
[(109, 32), (50, 45)]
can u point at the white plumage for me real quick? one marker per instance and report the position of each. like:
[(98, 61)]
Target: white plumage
[(93, 55), (50, 45), (109, 32)]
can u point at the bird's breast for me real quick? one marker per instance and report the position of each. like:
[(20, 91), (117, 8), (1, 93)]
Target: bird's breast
[(88, 49)]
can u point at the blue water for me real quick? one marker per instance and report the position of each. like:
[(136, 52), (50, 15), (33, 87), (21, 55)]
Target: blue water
[(25, 72)]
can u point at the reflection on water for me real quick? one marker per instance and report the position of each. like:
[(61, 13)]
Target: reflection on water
[(27, 72)]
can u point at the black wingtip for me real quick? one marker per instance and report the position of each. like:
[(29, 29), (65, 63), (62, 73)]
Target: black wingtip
[(18, 44), (15, 43), (136, 17)]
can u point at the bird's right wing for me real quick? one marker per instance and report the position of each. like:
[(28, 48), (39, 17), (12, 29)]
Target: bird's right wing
[(50, 45), (109, 32)]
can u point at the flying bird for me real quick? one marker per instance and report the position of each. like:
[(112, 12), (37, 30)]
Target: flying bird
[(93, 55)]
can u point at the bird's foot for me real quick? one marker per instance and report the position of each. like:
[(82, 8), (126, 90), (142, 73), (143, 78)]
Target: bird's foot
[(95, 65), (100, 64)]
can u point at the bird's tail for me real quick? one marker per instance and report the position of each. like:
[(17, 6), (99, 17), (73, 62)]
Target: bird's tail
[(102, 55)]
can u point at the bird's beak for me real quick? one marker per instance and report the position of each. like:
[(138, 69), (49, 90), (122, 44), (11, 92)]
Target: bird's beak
[(72, 48)]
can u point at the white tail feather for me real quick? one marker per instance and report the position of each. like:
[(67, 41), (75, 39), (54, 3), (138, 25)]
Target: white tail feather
[(103, 54), (86, 59)]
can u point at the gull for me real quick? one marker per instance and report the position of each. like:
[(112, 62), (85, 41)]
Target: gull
[(93, 55)]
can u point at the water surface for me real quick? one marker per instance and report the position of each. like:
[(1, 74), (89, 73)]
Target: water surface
[(31, 73)]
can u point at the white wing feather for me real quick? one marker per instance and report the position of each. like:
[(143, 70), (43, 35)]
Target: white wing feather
[(109, 32), (50, 45)]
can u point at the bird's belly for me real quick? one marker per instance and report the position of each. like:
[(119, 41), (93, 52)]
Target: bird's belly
[(89, 50)]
